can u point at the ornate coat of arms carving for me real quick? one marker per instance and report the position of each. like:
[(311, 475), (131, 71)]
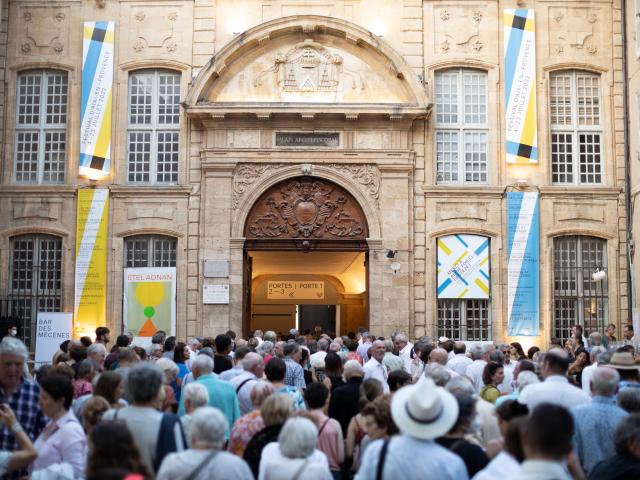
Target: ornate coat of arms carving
[(309, 67), (306, 208)]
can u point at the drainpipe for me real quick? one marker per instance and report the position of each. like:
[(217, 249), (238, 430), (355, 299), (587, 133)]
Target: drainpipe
[(627, 164)]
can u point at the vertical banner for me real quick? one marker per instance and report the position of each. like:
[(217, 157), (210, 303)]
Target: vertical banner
[(91, 258), (149, 300), (53, 329), (463, 266), (520, 86), (97, 81), (523, 283)]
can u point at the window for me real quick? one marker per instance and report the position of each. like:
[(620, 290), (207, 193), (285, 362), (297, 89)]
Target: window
[(150, 251), (35, 280), (464, 319), (154, 124), (461, 126), (576, 132), (41, 123), (577, 299)]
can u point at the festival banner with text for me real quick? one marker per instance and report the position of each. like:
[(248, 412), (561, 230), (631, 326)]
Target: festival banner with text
[(149, 301), (463, 266), (97, 82), (91, 259), (523, 282), (520, 86)]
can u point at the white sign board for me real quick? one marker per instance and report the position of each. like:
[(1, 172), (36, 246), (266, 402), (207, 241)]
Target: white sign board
[(290, 290), (215, 294), (52, 330)]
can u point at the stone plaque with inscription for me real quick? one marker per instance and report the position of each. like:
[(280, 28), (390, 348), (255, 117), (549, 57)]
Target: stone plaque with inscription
[(307, 139)]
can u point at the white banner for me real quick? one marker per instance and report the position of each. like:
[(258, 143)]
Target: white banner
[(53, 328)]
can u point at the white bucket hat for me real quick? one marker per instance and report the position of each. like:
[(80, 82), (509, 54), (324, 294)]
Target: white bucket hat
[(424, 410)]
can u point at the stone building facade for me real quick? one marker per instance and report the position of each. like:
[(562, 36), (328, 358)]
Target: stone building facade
[(410, 97)]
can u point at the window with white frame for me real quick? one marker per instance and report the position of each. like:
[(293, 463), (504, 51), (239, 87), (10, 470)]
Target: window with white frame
[(35, 280), (461, 130), (149, 251), (41, 126), (153, 127), (576, 130), (577, 298)]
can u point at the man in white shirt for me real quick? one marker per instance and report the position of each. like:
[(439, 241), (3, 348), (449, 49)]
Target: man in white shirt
[(460, 361), (317, 359), (474, 371), (365, 346), (441, 356), (243, 384), (599, 356), (404, 346), (193, 345), (556, 388), (508, 367), (374, 368)]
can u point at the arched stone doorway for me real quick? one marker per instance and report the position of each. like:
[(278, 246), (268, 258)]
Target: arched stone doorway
[(305, 258)]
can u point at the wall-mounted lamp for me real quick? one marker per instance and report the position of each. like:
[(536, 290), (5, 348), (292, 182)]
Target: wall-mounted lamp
[(395, 267), (598, 275), (391, 253), (522, 183)]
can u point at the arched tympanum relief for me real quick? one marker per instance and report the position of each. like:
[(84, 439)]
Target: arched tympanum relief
[(306, 208)]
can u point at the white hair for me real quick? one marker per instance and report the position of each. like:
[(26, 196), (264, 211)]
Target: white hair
[(168, 367), (265, 347), (298, 438), (351, 368), (96, 348), (526, 378), (605, 381), (208, 427), (401, 337), (193, 341), (437, 373), (15, 347), (251, 360), (203, 363), (196, 394)]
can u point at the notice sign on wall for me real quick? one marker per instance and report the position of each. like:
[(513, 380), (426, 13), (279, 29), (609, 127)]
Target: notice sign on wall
[(53, 329), (290, 290)]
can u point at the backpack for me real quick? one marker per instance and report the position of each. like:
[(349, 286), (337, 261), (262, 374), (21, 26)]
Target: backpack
[(166, 443)]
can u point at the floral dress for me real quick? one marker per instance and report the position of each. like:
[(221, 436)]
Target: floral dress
[(243, 430)]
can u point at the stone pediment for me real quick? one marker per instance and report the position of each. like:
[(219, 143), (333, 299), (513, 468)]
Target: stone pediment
[(311, 64)]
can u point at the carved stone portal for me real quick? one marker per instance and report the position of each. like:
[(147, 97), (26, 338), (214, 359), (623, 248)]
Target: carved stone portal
[(306, 207)]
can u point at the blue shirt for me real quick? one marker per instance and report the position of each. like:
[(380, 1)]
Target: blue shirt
[(294, 393), (595, 423), (221, 396), (294, 375), (401, 461)]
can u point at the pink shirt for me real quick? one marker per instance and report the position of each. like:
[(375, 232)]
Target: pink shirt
[(62, 441), (81, 387), (330, 440)]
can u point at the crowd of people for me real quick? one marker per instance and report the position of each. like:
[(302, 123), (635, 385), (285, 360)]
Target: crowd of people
[(312, 405)]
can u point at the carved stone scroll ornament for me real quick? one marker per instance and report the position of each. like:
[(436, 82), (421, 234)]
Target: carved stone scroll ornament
[(366, 175), (245, 175), (306, 207)]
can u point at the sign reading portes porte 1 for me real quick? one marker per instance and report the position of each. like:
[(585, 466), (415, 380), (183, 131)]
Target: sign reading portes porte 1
[(290, 290)]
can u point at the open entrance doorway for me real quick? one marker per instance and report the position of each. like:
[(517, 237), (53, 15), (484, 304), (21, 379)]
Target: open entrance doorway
[(305, 259), (307, 291)]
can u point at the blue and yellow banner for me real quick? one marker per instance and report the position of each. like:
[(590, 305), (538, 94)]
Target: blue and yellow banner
[(91, 260), (520, 86), (463, 266), (523, 282), (97, 82)]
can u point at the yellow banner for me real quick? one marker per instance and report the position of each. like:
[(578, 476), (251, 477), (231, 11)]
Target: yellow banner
[(91, 260)]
